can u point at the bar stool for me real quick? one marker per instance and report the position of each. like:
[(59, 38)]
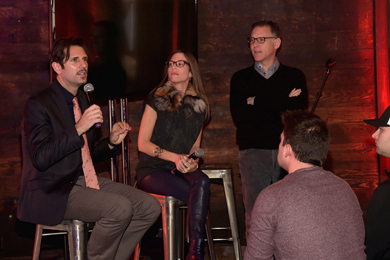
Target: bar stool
[(77, 232), (173, 229), (224, 172)]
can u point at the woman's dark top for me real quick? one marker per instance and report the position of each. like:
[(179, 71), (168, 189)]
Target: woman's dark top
[(177, 127)]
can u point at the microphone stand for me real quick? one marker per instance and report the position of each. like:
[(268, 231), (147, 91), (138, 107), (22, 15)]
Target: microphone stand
[(329, 64)]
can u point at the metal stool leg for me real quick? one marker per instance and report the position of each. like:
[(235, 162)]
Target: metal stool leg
[(78, 236), (228, 186), (77, 232), (137, 251), (171, 210), (71, 244), (173, 228), (66, 248), (37, 242)]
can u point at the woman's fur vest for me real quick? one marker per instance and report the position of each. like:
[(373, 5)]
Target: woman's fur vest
[(168, 99)]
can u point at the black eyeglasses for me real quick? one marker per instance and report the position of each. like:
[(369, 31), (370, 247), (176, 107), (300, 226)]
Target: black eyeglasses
[(179, 63), (260, 40)]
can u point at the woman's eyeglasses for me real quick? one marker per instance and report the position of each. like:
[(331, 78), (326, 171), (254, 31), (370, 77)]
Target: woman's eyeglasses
[(179, 63)]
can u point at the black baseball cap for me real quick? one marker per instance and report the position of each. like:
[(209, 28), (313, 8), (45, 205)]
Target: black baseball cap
[(384, 120)]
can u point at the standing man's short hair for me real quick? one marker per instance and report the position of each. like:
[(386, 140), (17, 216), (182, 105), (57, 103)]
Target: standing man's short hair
[(308, 136), (275, 30)]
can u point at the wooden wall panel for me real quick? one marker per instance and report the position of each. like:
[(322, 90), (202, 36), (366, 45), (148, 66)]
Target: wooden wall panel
[(24, 43), (313, 31)]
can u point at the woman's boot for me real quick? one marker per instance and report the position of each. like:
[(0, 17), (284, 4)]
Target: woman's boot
[(196, 249), (197, 211)]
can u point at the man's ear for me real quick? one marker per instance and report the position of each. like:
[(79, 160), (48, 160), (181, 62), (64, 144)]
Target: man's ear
[(56, 67), (277, 43), (288, 150)]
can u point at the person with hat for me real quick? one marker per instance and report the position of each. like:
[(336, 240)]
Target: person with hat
[(378, 211), (311, 213)]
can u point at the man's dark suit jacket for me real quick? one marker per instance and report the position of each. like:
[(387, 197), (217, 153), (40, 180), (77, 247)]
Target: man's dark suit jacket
[(52, 155)]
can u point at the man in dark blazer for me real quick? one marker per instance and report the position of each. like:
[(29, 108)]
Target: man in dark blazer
[(53, 186)]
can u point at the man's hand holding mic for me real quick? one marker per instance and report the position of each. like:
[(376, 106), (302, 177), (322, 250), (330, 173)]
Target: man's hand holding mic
[(90, 117)]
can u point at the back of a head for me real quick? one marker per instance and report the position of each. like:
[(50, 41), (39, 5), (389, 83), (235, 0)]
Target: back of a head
[(308, 136)]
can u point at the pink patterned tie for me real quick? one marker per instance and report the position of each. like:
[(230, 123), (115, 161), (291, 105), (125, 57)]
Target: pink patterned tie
[(89, 171)]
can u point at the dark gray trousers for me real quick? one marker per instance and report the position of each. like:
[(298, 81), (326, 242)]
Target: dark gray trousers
[(122, 214)]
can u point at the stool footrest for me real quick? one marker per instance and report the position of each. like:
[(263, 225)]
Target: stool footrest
[(221, 228)]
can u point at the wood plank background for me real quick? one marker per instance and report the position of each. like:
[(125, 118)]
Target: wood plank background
[(313, 31)]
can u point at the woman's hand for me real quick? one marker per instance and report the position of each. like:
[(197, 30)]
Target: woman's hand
[(184, 164)]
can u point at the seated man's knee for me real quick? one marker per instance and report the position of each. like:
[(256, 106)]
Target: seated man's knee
[(121, 209)]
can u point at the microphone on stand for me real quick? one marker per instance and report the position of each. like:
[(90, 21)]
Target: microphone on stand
[(195, 155), (330, 63), (88, 89)]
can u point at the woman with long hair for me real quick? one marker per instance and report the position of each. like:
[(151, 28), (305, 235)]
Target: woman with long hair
[(171, 129)]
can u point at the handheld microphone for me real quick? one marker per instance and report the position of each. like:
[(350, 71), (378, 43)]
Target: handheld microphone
[(195, 155), (88, 89)]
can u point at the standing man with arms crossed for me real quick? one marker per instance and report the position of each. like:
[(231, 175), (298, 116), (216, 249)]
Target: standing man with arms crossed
[(258, 96), (378, 210), (58, 141), (311, 213)]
